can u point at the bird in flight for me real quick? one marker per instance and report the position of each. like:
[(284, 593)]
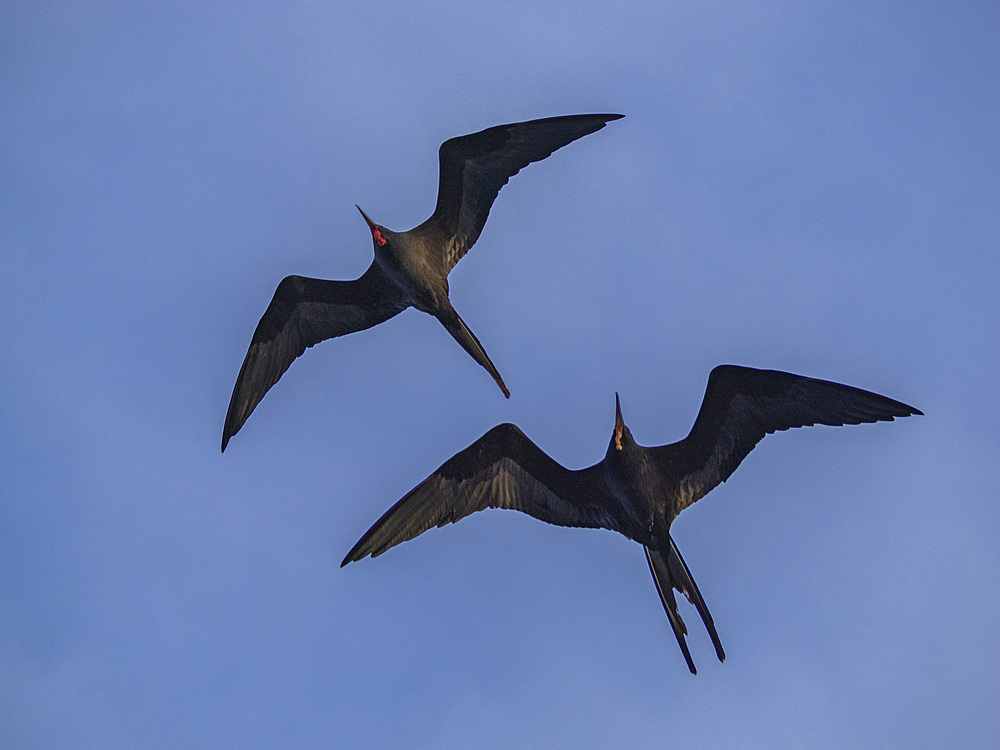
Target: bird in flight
[(410, 269), (637, 491)]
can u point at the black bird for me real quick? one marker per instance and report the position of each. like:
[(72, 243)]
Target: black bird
[(410, 268), (636, 491)]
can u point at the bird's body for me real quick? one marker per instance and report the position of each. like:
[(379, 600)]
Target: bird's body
[(637, 491), (410, 269)]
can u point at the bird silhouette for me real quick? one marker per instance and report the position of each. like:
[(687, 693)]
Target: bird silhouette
[(637, 491), (410, 269)]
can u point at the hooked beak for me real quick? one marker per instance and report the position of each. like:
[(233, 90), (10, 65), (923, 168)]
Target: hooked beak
[(619, 422), (376, 232), (371, 224)]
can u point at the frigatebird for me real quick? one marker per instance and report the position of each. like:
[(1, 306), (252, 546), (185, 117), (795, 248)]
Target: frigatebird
[(637, 491), (410, 269)]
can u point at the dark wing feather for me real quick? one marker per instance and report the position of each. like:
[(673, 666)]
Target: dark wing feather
[(474, 167), (503, 469), (302, 313), (742, 405)]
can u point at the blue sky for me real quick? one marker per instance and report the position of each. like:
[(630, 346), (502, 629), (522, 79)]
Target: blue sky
[(809, 187)]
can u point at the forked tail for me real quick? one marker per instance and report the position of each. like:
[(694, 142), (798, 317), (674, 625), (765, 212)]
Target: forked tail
[(461, 333), (669, 573)]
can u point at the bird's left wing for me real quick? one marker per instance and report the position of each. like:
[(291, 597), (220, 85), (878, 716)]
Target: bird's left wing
[(474, 167), (503, 469), (742, 405)]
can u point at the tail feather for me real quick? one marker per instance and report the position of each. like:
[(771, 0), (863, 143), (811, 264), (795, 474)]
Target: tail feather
[(670, 572), (454, 324), (679, 571), (661, 576)]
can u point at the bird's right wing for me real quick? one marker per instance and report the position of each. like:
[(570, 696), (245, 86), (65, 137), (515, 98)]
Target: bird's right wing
[(302, 313), (742, 405), (503, 469)]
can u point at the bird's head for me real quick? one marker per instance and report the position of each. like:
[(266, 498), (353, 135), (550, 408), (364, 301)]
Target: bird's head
[(621, 439), (380, 235)]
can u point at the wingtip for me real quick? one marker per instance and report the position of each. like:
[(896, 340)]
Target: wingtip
[(905, 410), (355, 554), (606, 118)]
